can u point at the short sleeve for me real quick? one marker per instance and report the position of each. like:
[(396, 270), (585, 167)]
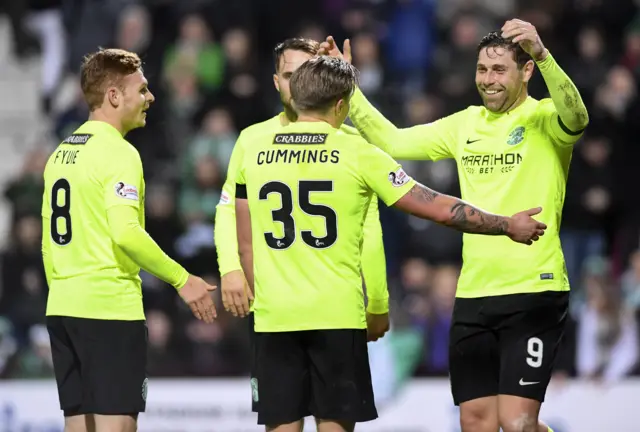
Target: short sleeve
[(553, 126), (121, 177), (383, 175)]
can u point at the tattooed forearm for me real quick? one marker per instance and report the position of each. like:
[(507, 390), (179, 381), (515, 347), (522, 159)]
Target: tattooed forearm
[(423, 193), (447, 210), (572, 110), (469, 219)]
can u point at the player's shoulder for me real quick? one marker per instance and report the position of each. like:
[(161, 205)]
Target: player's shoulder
[(267, 126)]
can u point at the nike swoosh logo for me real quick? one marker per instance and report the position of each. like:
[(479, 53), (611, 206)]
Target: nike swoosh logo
[(526, 383), (472, 141)]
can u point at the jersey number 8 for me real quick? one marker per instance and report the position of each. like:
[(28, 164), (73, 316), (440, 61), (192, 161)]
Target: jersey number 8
[(61, 211), (283, 214)]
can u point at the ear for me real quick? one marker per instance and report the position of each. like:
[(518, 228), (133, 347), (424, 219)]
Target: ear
[(276, 83), (527, 71), (340, 105), (114, 96)]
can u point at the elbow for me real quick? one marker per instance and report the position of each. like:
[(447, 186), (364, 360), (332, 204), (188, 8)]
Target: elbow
[(244, 250), (442, 215), (121, 238)]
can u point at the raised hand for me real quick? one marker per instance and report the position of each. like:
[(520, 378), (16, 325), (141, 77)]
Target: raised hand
[(330, 48), (526, 35)]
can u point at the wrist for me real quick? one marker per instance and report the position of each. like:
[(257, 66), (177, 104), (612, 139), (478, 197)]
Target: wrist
[(509, 226), (542, 56)]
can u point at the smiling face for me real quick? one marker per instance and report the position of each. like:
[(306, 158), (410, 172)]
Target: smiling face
[(501, 82)]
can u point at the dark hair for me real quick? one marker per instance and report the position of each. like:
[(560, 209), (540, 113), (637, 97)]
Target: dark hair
[(322, 81), (103, 69), (494, 40), (309, 46)]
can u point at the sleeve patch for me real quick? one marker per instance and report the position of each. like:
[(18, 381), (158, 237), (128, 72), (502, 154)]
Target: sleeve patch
[(399, 177), (126, 191), (224, 198)]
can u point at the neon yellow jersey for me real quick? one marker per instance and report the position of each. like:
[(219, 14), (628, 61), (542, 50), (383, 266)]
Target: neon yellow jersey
[(373, 258), (91, 171), (506, 163), (308, 187)]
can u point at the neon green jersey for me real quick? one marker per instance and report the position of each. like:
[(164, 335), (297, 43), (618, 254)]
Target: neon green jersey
[(94, 188), (308, 187), (373, 258), (507, 163)]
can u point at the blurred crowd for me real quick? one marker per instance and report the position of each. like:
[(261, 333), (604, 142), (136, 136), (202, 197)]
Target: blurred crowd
[(209, 64)]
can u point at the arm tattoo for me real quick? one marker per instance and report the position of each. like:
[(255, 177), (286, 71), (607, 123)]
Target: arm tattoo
[(469, 219), (423, 193), (463, 216)]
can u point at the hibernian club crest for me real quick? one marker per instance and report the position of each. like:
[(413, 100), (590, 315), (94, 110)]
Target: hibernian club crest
[(516, 136)]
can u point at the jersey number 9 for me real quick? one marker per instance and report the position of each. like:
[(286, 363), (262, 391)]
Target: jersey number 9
[(61, 211), (283, 214)]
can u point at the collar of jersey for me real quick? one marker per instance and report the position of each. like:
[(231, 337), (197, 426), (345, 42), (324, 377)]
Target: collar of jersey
[(102, 127), (308, 125), (517, 109)]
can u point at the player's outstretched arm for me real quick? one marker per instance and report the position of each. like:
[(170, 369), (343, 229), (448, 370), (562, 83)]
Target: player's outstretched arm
[(132, 239), (430, 141), (450, 211)]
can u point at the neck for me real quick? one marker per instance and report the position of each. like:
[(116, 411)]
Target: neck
[(522, 96), (313, 117), (99, 115), (290, 116)]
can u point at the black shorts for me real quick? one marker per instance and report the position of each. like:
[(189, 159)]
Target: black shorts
[(323, 373), (100, 365), (505, 344)]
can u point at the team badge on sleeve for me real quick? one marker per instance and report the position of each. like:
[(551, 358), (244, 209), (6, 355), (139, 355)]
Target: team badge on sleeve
[(124, 190), (399, 177), (224, 198)]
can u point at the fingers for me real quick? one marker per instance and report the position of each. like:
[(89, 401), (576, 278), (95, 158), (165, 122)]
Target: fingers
[(207, 309), (241, 303), (324, 48), (195, 311), (346, 50), (534, 211)]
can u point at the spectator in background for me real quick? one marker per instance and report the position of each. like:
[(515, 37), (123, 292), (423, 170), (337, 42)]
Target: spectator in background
[(164, 358), (409, 43), (630, 283), (34, 360), (442, 297), (216, 138), (368, 63), (242, 95), (8, 347), (24, 295), (588, 205), (25, 192), (197, 51), (133, 31), (607, 342), (591, 65)]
